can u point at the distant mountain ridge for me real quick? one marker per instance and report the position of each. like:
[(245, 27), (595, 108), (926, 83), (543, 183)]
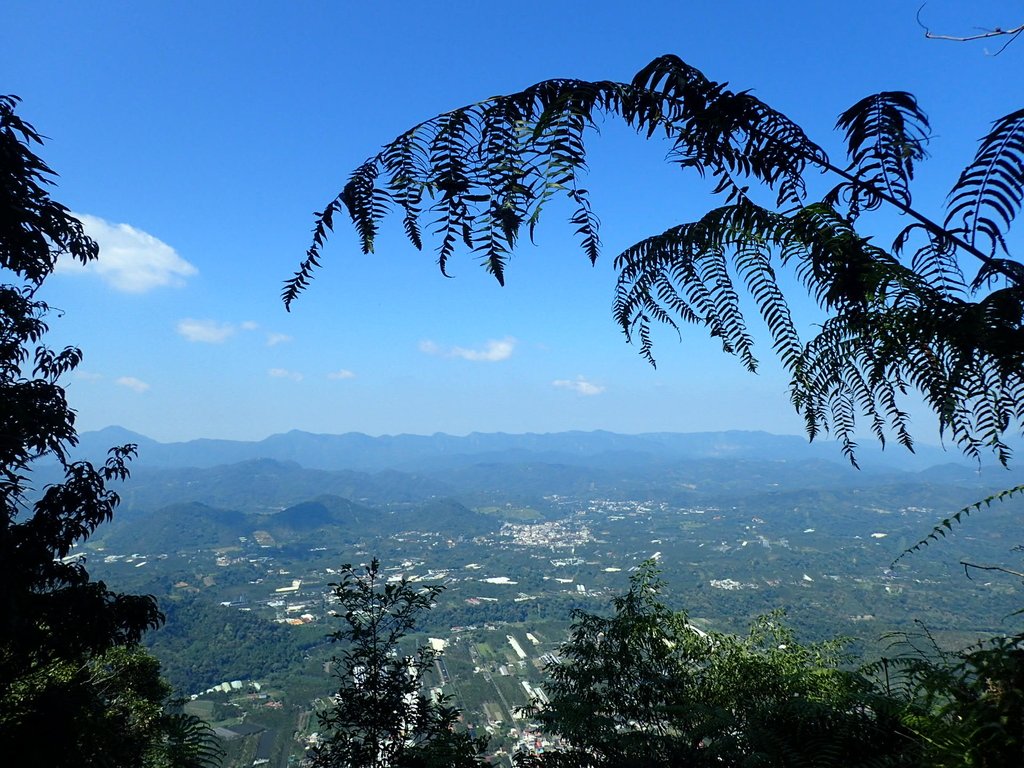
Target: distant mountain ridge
[(430, 453), (300, 486)]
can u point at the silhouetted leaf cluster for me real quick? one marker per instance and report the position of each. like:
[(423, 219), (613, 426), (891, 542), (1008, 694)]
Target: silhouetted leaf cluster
[(899, 318), (646, 687), (74, 687), (380, 716)]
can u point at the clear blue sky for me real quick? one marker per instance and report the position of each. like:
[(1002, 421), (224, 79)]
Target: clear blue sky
[(198, 138)]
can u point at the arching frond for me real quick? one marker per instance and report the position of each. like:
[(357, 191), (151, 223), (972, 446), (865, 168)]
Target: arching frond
[(189, 743), (490, 167), (684, 274), (722, 132), (898, 319), (936, 261), (990, 191)]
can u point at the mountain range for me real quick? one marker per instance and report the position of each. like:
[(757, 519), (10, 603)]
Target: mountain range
[(438, 452), (522, 474)]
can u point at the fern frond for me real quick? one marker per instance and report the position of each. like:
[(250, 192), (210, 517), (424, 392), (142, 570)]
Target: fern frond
[(684, 273), (406, 161), (725, 132), (936, 262), (990, 191), (753, 262), (367, 204), (492, 166), (885, 134), (302, 277), (189, 743), (941, 528), (490, 169), (450, 185), (891, 329)]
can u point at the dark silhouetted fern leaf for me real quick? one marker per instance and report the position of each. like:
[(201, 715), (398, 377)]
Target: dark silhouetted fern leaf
[(946, 525), (885, 134), (189, 743), (990, 191), (898, 319), (406, 163)]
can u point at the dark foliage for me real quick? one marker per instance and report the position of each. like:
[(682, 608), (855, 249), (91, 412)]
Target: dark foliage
[(973, 699), (900, 317), (645, 687), (68, 662), (380, 717)]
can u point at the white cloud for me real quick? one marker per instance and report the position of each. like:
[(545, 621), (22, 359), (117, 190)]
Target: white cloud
[(205, 331), (579, 385), (284, 373), (493, 350), (273, 339), (344, 373), (249, 325), (132, 383), (130, 260)]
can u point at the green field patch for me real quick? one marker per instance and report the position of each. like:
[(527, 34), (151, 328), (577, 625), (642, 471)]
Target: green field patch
[(494, 712), (201, 708), (485, 651)]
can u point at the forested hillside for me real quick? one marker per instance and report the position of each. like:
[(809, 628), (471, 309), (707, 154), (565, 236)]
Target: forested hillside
[(395, 520)]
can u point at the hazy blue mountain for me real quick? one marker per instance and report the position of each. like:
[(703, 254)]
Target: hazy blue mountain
[(286, 499), (388, 473), (432, 453)]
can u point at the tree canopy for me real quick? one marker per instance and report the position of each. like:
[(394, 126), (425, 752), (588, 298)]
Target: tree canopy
[(645, 686), (75, 688), (939, 309), (380, 717)]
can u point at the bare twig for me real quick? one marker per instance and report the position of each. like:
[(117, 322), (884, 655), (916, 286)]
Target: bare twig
[(1012, 34), (997, 32), (999, 568)]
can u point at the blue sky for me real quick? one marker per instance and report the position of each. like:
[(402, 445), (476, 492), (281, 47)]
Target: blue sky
[(196, 139)]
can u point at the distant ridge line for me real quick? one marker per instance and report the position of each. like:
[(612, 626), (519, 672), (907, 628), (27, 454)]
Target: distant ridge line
[(408, 452)]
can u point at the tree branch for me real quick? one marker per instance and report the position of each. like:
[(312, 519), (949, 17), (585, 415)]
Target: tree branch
[(997, 32), (927, 223), (1013, 34), (999, 568)]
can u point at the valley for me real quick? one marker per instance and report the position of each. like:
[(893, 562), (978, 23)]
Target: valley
[(242, 558)]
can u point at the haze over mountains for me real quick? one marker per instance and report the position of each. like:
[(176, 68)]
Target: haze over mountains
[(489, 471), (419, 453)]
